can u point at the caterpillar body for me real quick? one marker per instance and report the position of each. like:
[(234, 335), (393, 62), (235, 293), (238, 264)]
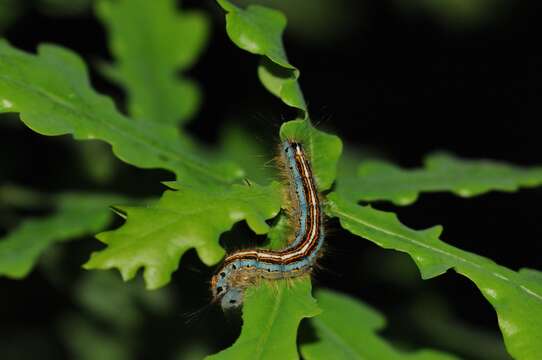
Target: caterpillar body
[(242, 268)]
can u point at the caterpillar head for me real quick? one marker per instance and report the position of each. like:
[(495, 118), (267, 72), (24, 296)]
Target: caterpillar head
[(230, 297)]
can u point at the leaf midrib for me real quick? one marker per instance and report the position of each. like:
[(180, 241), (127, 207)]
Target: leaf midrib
[(54, 98), (497, 275), (260, 346)]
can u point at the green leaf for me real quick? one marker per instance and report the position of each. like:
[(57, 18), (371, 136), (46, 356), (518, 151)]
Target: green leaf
[(63, 7), (52, 93), (324, 150), (103, 294), (10, 10), (77, 215), (271, 315), (152, 43), (17, 196), (87, 341), (100, 295), (347, 329), (259, 30), (193, 216), (97, 162), (516, 296), (379, 180)]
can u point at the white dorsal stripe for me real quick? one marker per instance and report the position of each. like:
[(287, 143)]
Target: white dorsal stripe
[(311, 235)]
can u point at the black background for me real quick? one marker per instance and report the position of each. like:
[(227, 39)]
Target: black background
[(401, 85)]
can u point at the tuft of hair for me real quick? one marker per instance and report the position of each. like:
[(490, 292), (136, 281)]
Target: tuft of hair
[(290, 205)]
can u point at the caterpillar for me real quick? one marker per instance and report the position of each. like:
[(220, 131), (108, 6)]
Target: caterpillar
[(242, 268)]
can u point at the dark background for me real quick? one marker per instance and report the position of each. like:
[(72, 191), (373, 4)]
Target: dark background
[(396, 81)]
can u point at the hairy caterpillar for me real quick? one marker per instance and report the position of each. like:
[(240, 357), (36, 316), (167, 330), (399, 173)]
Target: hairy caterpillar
[(242, 268)]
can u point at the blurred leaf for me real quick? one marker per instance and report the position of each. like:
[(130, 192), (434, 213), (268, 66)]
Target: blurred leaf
[(457, 13), (103, 294), (516, 296), (97, 161), (390, 267), (271, 315), (352, 157), (10, 10), (432, 317), (152, 42), (85, 341), (23, 343), (258, 30), (379, 180), (105, 300), (77, 215), (17, 196), (347, 329), (157, 236), (52, 93), (429, 316), (63, 7), (243, 148)]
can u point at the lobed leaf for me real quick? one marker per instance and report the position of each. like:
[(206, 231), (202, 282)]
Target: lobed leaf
[(379, 180), (193, 216), (152, 42), (347, 329), (259, 30), (77, 215), (516, 296), (53, 95), (271, 315)]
